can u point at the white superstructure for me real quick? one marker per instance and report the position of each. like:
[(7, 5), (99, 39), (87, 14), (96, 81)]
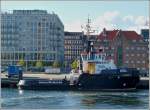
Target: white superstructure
[(95, 62)]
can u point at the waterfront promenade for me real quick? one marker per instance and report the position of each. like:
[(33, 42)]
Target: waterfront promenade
[(40, 75)]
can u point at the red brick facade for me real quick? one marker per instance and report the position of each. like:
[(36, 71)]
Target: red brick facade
[(127, 48)]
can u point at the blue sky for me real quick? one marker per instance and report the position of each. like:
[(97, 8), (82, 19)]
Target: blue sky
[(110, 14)]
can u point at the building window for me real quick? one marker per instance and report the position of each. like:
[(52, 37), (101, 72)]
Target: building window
[(143, 55), (127, 55), (132, 61), (143, 48), (138, 48), (134, 40), (127, 61), (132, 48), (112, 54), (113, 48), (127, 48), (138, 54), (132, 55), (138, 61), (141, 40), (106, 47)]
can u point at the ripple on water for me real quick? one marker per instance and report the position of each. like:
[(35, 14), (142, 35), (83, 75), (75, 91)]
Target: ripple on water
[(84, 100)]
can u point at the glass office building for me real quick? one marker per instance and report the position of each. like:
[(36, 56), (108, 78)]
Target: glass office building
[(31, 35)]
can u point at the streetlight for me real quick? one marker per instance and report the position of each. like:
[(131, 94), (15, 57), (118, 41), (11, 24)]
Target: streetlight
[(24, 52)]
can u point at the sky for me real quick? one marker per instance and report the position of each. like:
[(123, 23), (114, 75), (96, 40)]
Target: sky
[(125, 15)]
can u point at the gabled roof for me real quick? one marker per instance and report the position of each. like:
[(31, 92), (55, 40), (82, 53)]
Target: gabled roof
[(111, 34), (132, 35)]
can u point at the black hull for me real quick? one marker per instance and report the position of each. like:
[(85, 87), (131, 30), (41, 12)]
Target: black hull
[(107, 81)]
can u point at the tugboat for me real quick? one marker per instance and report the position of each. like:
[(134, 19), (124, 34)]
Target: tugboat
[(100, 73)]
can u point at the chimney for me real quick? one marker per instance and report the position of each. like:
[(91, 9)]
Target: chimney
[(104, 32)]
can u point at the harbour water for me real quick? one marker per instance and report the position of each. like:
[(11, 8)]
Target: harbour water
[(27, 99)]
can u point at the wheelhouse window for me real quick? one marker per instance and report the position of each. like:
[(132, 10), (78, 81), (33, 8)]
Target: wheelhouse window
[(84, 57)]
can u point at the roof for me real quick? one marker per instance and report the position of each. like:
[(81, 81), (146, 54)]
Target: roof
[(111, 34), (132, 35)]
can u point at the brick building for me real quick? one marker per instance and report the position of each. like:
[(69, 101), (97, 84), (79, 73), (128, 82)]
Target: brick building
[(127, 48)]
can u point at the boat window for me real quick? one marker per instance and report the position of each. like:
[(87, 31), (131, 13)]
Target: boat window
[(84, 57), (92, 56), (95, 56), (123, 70)]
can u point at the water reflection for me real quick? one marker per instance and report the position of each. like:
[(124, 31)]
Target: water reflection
[(121, 99), (20, 92)]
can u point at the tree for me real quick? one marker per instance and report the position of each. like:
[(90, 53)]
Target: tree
[(56, 64), (32, 63), (64, 63), (39, 64), (21, 62), (74, 64)]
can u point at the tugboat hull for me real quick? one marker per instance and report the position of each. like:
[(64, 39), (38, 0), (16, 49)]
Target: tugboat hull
[(109, 81)]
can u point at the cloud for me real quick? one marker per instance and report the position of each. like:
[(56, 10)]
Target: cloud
[(128, 18), (74, 26), (112, 20), (140, 20), (136, 22), (106, 20), (109, 16)]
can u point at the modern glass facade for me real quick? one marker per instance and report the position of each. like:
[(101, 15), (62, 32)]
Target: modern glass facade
[(31, 35)]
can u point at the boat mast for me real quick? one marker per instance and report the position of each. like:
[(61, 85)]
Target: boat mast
[(88, 28)]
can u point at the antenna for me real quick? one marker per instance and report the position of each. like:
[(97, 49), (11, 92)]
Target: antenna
[(88, 29), (146, 23)]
